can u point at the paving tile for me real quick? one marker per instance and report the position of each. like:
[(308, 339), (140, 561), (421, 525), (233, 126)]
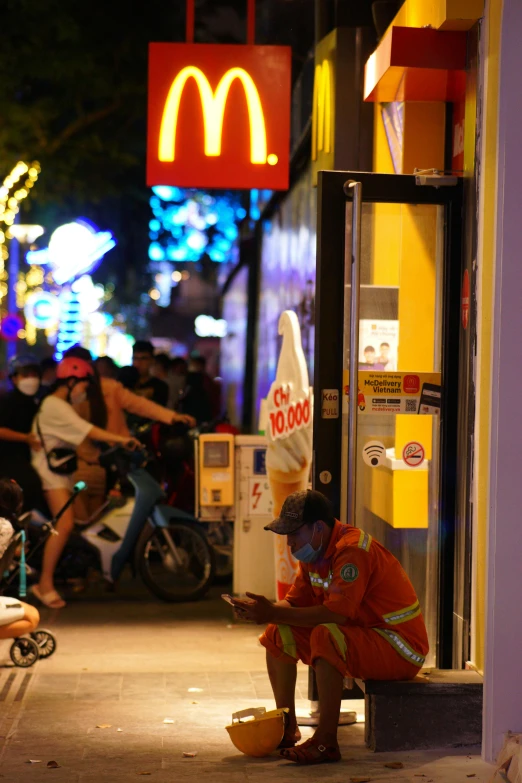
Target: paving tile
[(156, 653)]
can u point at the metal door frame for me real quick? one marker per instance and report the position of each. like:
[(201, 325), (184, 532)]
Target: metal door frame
[(329, 317)]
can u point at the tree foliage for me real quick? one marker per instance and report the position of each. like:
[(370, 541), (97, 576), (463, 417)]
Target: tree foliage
[(73, 92)]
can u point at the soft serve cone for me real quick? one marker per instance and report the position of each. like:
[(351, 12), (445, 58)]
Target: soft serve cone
[(289, 451), (289, 435)]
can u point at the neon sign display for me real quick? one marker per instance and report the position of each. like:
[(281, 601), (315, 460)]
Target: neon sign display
[(74, 249), (42, 310), (219, 116)]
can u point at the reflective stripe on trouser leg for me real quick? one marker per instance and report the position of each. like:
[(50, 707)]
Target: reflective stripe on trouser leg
[(338, 636), (401, 646), (287, 637), (402, 615)]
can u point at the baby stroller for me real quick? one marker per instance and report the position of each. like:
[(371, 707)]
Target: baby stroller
[(25, 650)]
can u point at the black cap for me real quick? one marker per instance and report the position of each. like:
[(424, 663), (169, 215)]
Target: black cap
[(301, 508)]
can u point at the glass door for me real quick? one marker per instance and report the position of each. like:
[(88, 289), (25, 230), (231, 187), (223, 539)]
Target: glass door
[(387, 335)]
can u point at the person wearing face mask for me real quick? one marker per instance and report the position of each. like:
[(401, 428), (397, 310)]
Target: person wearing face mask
[(60, 428), (17, 410), (352, 612)]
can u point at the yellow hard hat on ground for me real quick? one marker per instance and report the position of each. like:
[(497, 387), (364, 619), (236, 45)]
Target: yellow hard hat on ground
[(260, 736)]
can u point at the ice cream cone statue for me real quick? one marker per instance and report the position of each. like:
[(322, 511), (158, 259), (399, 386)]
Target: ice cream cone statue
[(289, 435)]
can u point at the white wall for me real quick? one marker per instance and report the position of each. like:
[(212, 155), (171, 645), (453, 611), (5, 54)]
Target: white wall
[(503, 667)]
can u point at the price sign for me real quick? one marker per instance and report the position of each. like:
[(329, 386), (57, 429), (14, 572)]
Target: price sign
[(289, 415)]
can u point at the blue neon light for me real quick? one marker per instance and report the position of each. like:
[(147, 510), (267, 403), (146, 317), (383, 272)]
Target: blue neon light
[(70, 329), (190, 225)]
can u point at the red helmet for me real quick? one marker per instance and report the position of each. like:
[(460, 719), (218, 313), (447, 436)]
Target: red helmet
[(70, 367)]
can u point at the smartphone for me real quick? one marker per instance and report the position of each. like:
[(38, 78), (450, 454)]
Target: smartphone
[(227, 598), (430, 400)]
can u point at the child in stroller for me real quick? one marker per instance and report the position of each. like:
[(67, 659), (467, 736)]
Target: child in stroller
[(18, 620)]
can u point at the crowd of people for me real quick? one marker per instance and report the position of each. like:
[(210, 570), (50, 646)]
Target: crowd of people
[(57, 416)]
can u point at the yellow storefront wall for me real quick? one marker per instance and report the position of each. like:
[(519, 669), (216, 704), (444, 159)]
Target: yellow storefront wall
[(440, 14), (405, 254), (485, 326), (402, 253)]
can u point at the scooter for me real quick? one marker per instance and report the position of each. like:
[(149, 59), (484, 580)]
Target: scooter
[(181, 490), (167, 547)]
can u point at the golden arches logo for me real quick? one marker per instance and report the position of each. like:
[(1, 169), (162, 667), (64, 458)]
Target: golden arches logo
[(213, 104), (322, 125)]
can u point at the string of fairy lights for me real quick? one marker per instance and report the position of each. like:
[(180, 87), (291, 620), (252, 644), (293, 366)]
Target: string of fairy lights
[(15, 188)]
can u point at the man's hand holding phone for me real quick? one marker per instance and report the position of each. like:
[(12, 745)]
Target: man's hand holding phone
[(239, 612), (257, 609)]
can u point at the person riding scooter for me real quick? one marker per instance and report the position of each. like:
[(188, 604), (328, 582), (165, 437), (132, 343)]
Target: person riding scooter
[(107, 402), (61, 431)]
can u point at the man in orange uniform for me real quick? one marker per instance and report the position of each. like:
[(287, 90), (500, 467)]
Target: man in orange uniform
[(351, 612)]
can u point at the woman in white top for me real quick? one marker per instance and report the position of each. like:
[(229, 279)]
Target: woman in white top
[(59, 427)]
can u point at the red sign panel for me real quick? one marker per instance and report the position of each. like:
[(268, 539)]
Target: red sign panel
[(457, 153), (465, 299), (411, 384), (219, 116)]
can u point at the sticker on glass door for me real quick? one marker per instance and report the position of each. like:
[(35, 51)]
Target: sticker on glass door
[(374, 453), (413, 454), (397, 392)]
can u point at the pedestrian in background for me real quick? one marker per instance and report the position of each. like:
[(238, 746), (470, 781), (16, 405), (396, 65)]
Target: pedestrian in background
[(17, 411), (148, 386)]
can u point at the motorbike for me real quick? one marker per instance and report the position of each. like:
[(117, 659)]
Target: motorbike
[(175, 446), (166, 546)]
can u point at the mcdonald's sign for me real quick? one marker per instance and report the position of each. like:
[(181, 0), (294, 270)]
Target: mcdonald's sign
[(322, 109), (219, 116), (342, 126)]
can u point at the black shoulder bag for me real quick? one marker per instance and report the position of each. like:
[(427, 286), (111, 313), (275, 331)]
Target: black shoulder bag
[(61, 461)]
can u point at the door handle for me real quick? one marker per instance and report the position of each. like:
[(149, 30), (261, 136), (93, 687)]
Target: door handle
[(353, 188)]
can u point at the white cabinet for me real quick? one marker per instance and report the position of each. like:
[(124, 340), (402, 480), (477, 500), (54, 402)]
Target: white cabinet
[(254, 567)]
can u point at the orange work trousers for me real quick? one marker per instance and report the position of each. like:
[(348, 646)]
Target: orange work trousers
[(352, 650)]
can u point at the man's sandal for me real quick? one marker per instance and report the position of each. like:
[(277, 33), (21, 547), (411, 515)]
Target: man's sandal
[(312, 752)]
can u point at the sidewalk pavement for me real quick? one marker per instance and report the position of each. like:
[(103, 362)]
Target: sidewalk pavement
[(126, 663)]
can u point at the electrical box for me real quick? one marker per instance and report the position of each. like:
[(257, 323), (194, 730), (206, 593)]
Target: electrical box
[(254, 563), (216, 470)]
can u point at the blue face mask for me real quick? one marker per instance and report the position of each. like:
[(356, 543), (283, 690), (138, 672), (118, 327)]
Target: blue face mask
[(307, 554)]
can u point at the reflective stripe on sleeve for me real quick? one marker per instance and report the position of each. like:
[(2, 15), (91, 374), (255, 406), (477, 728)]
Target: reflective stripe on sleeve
[(287, 637), (317, 581), (402, 615), (365, 541), (401, 646), (338, 637)]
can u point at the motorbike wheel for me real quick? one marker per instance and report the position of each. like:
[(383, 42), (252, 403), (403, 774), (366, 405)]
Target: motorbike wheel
[(166, 578), (221, 539)]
